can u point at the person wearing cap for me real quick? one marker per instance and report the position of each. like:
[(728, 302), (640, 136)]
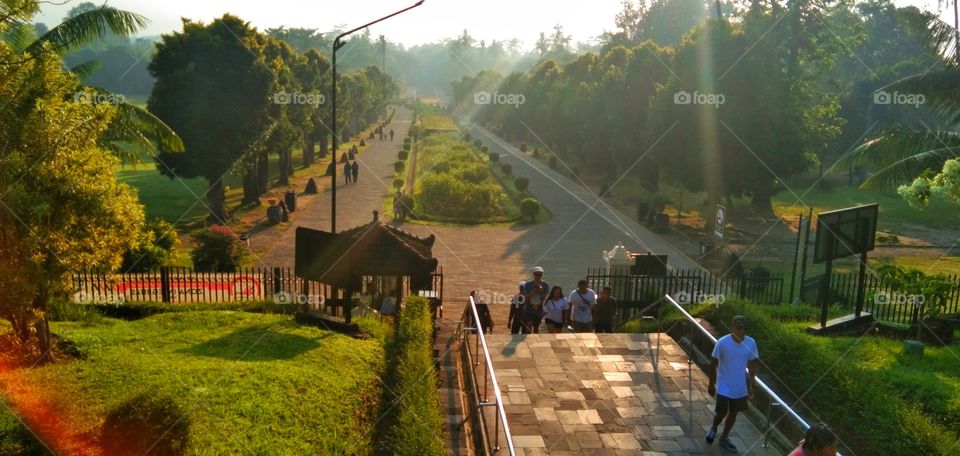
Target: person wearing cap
[(527, 288), (730, 380), (818, 441)]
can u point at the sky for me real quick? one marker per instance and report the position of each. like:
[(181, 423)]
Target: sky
[(432, 21)]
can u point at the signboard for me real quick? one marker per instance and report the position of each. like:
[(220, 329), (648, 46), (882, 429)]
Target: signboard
[(845, 232), (721, 219)]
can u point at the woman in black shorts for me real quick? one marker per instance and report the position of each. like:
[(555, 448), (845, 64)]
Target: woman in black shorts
[(555, 309)]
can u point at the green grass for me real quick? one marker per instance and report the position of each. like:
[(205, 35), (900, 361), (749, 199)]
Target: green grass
[(438, 122), (245, 383), (15, 438), (893, 212)]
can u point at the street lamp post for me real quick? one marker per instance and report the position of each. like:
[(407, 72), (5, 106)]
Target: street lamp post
[(337, 44)]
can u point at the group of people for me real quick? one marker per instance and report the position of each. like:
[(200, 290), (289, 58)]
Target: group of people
[(582, 310)]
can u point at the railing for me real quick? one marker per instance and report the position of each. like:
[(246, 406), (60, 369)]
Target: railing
[(774, 400), (470, 324)]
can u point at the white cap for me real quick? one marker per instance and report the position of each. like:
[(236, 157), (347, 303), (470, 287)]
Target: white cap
[(538, 269)]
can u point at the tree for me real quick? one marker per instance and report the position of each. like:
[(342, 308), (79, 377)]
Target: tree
[(213, 87), (64, 208)]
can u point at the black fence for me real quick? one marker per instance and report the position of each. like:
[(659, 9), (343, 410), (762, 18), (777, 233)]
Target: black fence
[(634, 292), (184, 286), (882, 299)]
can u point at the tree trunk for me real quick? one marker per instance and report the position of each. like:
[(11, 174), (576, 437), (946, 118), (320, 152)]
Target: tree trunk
[(263, 173), (251, 194), (308, 154), (323, 145), (217, 203), (42, 326), (283, 167)]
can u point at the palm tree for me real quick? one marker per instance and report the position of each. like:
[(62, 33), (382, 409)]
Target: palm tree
[(133, 129), (902, 153)]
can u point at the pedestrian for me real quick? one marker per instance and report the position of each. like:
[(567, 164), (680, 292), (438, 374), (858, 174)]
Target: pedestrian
[(582, 302), (818, 441), (391, 134), (516, 306), (532, 312), (347, 172), (729, 383), (527, 286), (355, 171), (351, 154), (605, 311), (555, 309)]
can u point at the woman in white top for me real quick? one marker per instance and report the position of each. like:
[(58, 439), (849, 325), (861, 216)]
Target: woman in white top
[(555, 308)]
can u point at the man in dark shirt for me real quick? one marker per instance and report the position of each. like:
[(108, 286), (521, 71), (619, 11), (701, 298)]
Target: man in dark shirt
[(605, 311)]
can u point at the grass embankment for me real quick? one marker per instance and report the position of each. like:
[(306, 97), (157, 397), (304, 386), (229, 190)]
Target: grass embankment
[(15, 438), (877, 398), (212, 382)]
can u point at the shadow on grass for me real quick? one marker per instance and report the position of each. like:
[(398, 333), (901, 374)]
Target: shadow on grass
[(258, 343)]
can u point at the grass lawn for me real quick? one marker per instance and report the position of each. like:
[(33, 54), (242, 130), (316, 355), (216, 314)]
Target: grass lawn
[(15, 438), (241, 382)]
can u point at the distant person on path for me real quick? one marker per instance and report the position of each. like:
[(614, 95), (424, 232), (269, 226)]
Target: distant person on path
[(527, 286), (355, 171), (347, 172), (582, 302), (605, 311), (532, 312), (818, 441), (729, 381), (391, 134), (555, 309)]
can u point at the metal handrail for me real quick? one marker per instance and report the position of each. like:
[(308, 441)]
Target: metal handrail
[(489, 375), (775, 398)]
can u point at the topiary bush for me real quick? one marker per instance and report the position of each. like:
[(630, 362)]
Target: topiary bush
[(406, 147), (218, 249), (529, 208), (506, 168), (399, 166), (398, 183), (522, 183), (403, 154), (477, 143), (494, 157)]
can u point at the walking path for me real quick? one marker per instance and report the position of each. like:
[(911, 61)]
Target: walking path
[(598, 394)]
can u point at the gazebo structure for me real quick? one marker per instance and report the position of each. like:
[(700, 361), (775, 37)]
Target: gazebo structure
[(376, 259)]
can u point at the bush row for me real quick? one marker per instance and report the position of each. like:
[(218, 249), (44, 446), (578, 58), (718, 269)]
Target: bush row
[(417, 421)]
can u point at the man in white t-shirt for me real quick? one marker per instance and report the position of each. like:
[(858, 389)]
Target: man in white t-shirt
[(582, 302), (730, 381)]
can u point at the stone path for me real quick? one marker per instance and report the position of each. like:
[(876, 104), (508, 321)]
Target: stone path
[(598, 394)]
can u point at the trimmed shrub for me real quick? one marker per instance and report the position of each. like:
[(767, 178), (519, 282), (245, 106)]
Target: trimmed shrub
[(506, 168), (403, 154), (444, 195), (529, 208), (418, 423), (494, 157), (522, 184), (406, 147), (218, 249), (484, 149), (362, 143), (477, 143), (399, 166), (398, 183)]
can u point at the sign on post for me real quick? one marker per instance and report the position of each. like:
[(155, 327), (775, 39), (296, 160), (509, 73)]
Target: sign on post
[(721, 218)]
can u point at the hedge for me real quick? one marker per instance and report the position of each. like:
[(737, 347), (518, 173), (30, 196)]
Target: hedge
[(418, 422)]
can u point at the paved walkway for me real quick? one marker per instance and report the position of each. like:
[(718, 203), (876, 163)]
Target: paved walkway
[(598, 394)]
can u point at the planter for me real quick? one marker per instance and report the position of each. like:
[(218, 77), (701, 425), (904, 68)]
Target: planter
[(274, 214)]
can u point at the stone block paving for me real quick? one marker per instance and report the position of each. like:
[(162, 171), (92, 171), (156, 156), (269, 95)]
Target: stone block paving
[(598, 394)]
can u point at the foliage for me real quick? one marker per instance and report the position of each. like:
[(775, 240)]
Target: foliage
[(218, 249), (493, 156), (156, 244), (65, 209), (530, 207), (506, 168), (403, 154), (418, 423), (399, 166), (398, 183), (944, 185), (934, 289), (445, 195), (522, 183)]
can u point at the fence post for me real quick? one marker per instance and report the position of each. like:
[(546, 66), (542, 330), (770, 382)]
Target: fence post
[(165, 284), (277, 280)]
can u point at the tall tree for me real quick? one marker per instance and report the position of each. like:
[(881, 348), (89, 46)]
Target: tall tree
[(213, 87)]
